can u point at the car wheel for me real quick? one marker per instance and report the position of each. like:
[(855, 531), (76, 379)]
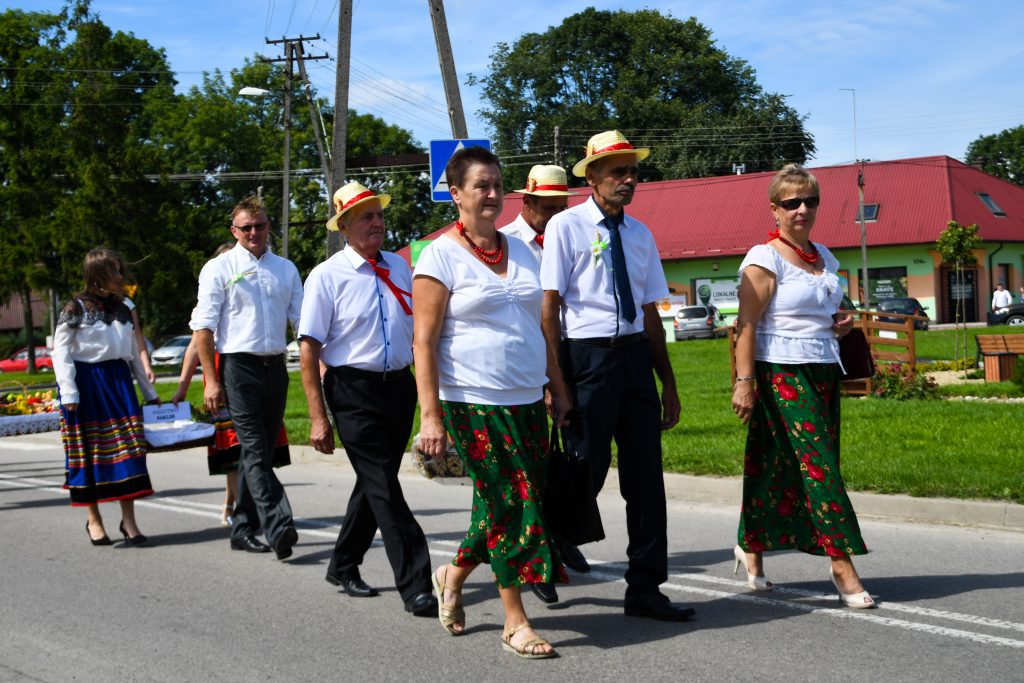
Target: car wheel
[(1015, 320)]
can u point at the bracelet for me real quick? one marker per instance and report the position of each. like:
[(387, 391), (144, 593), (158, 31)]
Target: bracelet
[(745, 378)]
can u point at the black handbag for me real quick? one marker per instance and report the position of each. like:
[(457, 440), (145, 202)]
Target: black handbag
[(570, 503), (855, 355)]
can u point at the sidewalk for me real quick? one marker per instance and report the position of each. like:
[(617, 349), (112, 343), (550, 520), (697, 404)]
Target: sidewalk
[(727, 491)]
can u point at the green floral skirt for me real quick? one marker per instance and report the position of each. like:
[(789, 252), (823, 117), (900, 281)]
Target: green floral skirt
[(793, 492), (505, 451)]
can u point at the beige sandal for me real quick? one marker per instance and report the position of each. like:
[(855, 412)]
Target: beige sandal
[(448, 616), (528, 649)]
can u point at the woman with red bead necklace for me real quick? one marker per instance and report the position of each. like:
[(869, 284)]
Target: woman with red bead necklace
[(787, 390), (481, 367)]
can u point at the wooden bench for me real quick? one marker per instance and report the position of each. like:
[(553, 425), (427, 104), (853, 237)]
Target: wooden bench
[(1000, 353)]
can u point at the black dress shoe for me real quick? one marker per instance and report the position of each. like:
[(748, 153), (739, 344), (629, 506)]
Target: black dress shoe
[(422, 604), (573, 558), (137, 539), (546, 592), (657, 606), (97, 541), (283, 544), (353, 585), (249, 544)]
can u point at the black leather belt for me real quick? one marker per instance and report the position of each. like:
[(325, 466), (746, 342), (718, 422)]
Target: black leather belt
[(386, 376), (612, 342), (256, 359)]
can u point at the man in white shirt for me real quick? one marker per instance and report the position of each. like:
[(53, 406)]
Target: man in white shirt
[(602, 277), (546, 193), (247, 296), (1001, 298), (357, 321)]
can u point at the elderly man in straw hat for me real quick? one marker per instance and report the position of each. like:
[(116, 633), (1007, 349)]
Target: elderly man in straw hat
[(546, 193), (357, 321), (601, 277), (247, 296)]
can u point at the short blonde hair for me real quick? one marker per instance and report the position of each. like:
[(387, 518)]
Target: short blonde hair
[(792, 176)]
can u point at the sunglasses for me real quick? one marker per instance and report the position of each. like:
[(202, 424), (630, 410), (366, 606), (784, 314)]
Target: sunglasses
[(254, 226), (795, 202)]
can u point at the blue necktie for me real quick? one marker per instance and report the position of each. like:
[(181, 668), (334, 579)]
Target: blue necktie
[(627, 309)]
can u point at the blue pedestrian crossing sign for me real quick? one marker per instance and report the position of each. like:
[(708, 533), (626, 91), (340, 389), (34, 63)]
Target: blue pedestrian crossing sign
[(440, 152)]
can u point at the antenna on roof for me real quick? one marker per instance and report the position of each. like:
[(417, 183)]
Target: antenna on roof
[(739, 169)]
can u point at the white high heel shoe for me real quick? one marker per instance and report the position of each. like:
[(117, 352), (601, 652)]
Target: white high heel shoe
[(861, 600), (754, 583)]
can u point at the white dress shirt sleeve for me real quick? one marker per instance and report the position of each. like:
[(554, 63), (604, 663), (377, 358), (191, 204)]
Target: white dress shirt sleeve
[(317, 306), (64, 364), (206, 314), (295, 305), (556, 265)]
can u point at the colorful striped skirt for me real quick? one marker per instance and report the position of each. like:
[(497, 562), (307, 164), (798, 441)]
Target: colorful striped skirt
[(505, 450), (104, 442), (793, 491), (222, 456)]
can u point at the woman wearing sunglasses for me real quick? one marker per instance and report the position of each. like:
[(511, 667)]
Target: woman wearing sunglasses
[(787, 392)]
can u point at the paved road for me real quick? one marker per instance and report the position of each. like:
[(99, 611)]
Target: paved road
[(186, 607)]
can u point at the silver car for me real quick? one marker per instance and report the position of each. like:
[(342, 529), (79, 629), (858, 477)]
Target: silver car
[(698, 322), (172, 352)]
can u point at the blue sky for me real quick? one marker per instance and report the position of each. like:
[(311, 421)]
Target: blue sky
[(930, 75)]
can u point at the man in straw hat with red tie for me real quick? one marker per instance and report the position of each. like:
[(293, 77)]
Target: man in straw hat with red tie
[(602, 277), (357, 320), (546, 193)]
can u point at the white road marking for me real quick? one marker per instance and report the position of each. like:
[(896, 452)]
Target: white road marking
[(322, 528)]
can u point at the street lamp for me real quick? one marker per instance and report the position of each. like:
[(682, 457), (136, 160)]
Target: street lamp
[(250, 91), (866, 299)]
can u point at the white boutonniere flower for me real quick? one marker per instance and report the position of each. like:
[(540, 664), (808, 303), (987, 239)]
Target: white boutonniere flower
[(597, 247)]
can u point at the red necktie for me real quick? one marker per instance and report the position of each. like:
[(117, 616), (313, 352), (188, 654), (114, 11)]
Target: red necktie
[(385, 275), (540, 240)]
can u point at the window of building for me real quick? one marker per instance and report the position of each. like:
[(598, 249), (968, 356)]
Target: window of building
[(870, 213), (991, 204)]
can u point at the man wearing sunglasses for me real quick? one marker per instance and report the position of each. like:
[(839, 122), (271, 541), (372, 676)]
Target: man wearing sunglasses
[(247, 296)]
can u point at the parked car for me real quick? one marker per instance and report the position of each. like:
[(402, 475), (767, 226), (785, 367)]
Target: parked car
[(905, 305), (19, 361), (172, 352), (698, 322), (292, 354), (1010, 315)]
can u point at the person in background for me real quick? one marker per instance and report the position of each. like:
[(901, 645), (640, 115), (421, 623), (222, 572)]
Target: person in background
[(247, 296), (94, 358), (480, 371), (602, 278), (1001, 298), (357, 320), (1022, 295), (546, 194), (787, 392), (140, 340)]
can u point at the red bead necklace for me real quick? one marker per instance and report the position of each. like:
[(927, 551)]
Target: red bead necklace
[(811, 258), (492, 257)]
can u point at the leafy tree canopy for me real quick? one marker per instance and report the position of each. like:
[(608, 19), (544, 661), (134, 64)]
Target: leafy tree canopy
[(1001, 155), (662, 81)]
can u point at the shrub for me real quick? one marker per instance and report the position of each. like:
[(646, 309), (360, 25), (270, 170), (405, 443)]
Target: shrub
[(1018, 373), (900, 382)]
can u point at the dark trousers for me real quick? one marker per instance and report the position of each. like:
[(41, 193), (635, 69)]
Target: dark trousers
[(256, 394), (614, 396), (374, 419)]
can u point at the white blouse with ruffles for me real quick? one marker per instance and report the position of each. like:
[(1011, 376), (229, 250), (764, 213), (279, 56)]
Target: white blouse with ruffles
[(797, 324)]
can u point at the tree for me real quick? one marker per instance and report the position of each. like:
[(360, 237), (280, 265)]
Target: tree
[(662, 81), (956, 245), (1001, 155)]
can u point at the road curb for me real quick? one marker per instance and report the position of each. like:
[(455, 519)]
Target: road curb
[(728, 491)]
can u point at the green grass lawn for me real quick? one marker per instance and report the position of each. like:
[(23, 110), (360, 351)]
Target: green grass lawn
[(958, 449)]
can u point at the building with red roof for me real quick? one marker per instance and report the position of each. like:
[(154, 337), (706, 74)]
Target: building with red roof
[(704, 226)]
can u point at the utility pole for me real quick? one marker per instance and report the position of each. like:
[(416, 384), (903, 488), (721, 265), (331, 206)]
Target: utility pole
[(864, 279), (451, 80), (558, 146), (293, 51), (340, 133)]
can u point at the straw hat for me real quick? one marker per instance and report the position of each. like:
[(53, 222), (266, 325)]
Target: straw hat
[(350, 196), (546, 181), (605, 144)]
